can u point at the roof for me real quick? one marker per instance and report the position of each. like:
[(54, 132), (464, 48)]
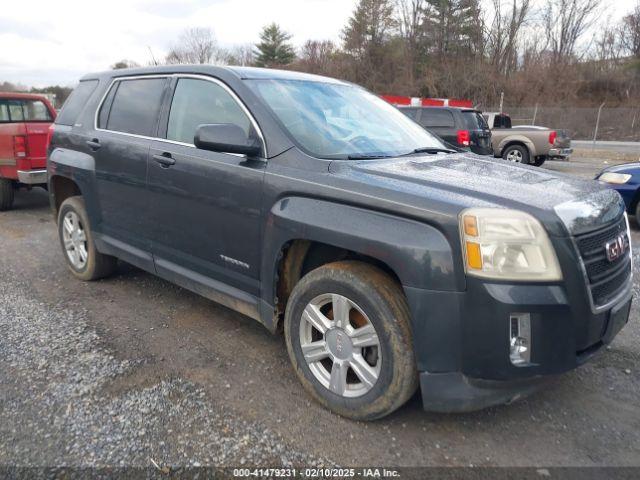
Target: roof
[(25, 96), (244, 73)]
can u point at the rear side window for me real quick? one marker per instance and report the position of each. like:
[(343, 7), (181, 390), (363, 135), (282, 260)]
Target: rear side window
[(135, 106), (197, 102), (431, 117), (474, 121), (76, 102)]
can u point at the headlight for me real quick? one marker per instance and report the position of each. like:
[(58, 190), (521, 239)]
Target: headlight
[(612, 177), (507, 245)]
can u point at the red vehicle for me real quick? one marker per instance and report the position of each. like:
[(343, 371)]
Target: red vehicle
[(24, 129)]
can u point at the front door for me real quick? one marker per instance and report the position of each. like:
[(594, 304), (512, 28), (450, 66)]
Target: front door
[(206, 206)]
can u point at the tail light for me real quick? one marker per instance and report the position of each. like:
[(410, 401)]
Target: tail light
[(49, 136), (464, 138), (20, 146), (552, 137)]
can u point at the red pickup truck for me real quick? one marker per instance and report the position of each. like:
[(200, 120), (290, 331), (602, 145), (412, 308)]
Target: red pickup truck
[(24, 132)]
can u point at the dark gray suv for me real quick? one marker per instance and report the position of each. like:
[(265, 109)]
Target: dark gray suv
[(312, 206)]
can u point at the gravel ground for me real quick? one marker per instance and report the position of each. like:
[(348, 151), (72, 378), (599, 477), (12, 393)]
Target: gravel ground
[(132, 371), (54, 410)]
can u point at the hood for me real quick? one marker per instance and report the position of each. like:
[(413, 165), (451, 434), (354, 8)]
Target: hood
[(623, 168), (471, 180)]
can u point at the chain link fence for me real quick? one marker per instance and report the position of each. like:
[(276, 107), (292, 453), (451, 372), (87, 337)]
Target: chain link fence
[(621, 124)]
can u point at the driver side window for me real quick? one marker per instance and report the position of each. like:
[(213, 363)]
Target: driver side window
[(196, 102)]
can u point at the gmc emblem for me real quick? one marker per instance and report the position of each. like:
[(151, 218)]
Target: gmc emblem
[(616, 247)]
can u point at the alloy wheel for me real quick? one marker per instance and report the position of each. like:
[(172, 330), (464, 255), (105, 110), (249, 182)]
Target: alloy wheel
[(340, 345), (514, 156), (75, 240)]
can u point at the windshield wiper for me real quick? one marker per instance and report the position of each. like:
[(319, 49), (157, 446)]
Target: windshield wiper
[(367, 157), (430, 150)]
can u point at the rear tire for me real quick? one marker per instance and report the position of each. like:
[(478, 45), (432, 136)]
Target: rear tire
[(516, 154), (76, 239), (7, 193), (358, 362), (538, 162)]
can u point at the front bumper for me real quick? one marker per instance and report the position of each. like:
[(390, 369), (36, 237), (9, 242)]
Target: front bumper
[(461, 339), (560, 152), (32, 177)]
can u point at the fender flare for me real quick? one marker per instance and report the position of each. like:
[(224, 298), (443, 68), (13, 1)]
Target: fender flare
[(77, 167), (419, 254), (511, 139)]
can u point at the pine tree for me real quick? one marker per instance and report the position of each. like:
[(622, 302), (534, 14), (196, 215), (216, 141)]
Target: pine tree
[(274, 48), (369, 27)]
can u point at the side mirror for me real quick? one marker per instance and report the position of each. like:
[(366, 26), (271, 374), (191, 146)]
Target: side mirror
[(226, 138)]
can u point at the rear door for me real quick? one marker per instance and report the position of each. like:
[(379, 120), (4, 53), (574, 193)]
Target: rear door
[(127, 121), (479, 132)]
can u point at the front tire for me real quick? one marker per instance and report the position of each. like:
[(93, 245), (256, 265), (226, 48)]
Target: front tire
[(348, 334), (516, 154), (76, 239), (7, 193)]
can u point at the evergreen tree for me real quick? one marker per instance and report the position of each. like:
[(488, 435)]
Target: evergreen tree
[(372, 22), (453, 28), (274, 48)]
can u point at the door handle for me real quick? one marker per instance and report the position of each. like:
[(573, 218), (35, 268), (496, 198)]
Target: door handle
[(94, 144), (164, 160)]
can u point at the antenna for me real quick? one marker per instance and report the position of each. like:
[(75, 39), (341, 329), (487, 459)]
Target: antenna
[(153, 59)]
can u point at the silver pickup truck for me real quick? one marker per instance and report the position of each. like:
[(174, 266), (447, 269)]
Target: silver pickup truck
[(526, 143)]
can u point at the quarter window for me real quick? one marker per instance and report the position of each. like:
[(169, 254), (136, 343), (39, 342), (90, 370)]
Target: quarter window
[(197, 102), (136, 106), (76, 102)]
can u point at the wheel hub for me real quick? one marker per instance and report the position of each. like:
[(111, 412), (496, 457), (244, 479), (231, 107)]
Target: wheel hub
[(339, 344)]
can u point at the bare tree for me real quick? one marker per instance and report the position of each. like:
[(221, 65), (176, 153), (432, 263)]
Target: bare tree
[(504, 33), (198, 46), (241, 55), (565, 21), (317, 56), (630, 32), (411, 19), (607, 46)]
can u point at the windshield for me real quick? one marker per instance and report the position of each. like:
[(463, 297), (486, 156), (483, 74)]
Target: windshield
[(339, 121)]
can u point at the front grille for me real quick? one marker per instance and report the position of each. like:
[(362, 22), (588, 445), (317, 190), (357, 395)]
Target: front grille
[(606, 279)]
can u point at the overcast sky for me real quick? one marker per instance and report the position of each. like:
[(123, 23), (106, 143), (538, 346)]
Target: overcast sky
[(44, 42)]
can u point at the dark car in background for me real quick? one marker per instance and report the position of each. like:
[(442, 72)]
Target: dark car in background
[(625, 179), (461, 127)]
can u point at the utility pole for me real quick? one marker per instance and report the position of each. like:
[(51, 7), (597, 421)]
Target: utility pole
[(501, 101)]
